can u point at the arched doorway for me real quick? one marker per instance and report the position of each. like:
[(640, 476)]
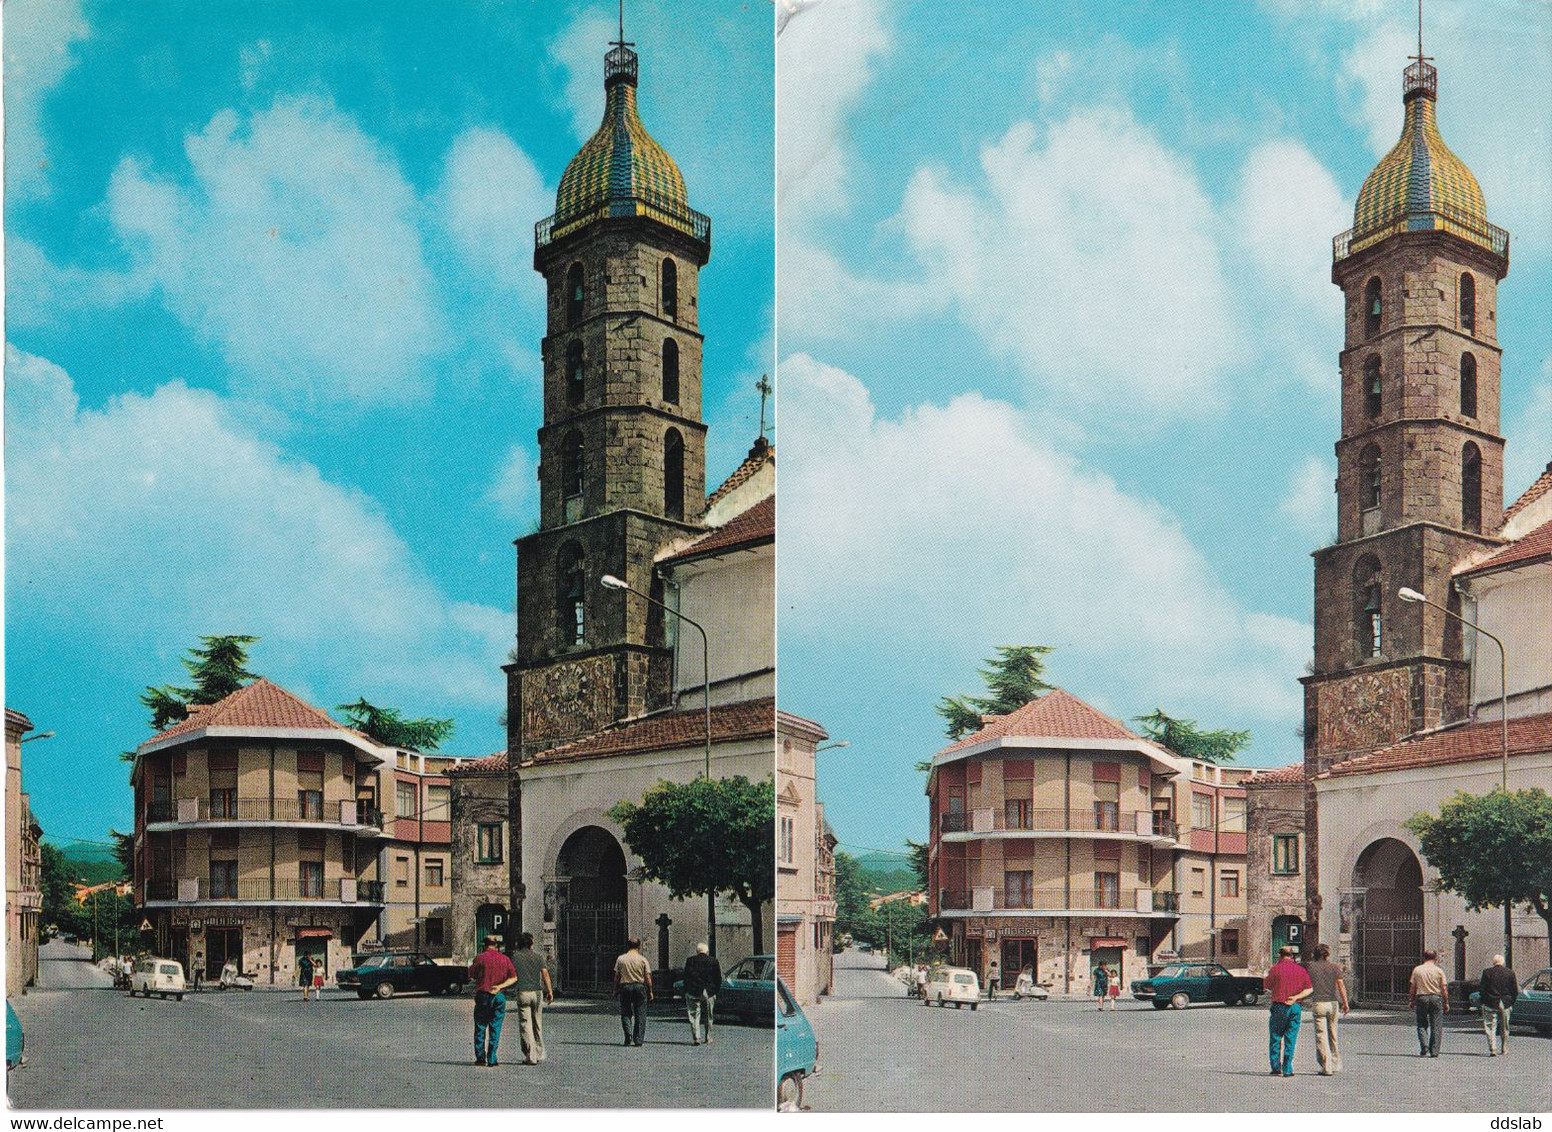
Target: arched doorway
[(590, 927), (1388, 928)]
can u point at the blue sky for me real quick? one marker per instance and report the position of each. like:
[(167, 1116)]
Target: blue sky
[(1059, 344), (273, 329)]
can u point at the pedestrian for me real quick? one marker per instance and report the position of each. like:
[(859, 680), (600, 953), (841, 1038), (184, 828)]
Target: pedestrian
[(534, 992), (1288, 984), (1025, 983), (702, 981), (1113, 987), (1328, 1001), (491, 972), (1429, 996), (1100, 981), (304, 971), (993, 980), (1499, 988), (633, 984)]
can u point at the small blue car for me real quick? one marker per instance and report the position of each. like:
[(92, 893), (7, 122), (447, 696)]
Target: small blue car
[(797, 1050), (15, 1043)]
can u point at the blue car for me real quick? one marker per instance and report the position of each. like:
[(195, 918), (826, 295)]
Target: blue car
[(15, 1043), (797, 1050)]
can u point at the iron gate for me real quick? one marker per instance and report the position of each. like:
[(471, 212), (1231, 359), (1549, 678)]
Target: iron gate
[(591, 937), (1385, 951)]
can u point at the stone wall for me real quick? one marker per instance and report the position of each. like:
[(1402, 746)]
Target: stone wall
[(1273, 809)]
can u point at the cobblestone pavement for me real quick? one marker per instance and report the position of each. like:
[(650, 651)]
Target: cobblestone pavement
[(93, 1048), (882, 1051)]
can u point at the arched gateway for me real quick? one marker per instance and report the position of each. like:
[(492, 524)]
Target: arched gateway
[(1387, 886), (590, 927)]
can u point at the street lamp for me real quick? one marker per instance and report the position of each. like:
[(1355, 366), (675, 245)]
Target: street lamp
[(610, 582), (39, 735), (835, 746), (1406, 593)]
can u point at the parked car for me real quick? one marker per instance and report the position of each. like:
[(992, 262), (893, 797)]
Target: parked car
[(797, 1050), (157, 976), (391, 972), (957, 985), (1181, 984), (15, 1041), (749, 990), (1534, 1006)]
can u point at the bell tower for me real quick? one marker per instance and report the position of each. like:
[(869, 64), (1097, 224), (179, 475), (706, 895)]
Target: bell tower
[(1419, 460), (622, 447)]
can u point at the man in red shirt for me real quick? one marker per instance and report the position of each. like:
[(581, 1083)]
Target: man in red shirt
[(491, 972), (1288, 984)]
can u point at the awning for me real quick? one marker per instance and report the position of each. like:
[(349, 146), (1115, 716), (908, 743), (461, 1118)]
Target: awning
[(314, 933)]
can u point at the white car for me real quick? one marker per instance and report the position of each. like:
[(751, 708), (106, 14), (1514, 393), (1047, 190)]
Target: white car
[(958, 985), (157, 976)]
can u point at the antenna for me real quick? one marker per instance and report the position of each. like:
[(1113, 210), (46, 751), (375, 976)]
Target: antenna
[(764, 387), (621, 41), (1420, 57)]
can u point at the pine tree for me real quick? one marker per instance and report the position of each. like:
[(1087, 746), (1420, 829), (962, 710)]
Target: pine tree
[(218, 668)]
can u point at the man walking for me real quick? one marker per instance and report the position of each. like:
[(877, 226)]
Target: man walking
[(993, 980), (1288, 984), (491, 972), (702, 980), (633, 984), (1429, 996), (534, 992), (1499, 988), (1328, 1000)]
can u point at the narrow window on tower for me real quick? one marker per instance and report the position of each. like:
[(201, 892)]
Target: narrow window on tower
[(671, 371), (1371, 386), (1471, 487), (1368, 590), (1468, 302), (570, 589), (574, 295), (670, 289), (1369, 489), (1373, 305), (571, 476), (576, 384), (1468, 385), (673, 475)]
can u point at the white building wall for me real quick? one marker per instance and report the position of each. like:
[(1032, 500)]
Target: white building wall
[(734, 598)]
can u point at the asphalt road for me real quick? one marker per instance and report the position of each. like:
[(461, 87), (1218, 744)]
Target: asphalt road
[(91, 1047), (883, 1051)]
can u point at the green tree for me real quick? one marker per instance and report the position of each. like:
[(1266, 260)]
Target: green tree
[(389, 727), (218, 666), (917, 852), (1493, 849), (1186, 739), (707, 836), (851, 893), (1014, 676), (57, 888)]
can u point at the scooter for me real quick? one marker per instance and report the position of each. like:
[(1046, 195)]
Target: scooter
[(232, 978)]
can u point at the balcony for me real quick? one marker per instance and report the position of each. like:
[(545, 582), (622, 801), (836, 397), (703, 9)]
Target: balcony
[(1014, 819), (663, 209), (282, 890), (1052, 902), (1441, 218), (217, 810)]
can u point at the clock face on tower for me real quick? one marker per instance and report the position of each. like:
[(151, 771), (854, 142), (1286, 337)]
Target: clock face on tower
[(1362, 711), (567, 699)]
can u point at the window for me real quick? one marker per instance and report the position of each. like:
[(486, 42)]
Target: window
[(788, 839), (436, 872), (1369, 615), (1468, 302), (309, 805), (1285, 853), (1017, 813), (436, 931), (1233, 815), (309, 788), (1018, 889), (223, 880), (1369, 478), (576, 381), (1107, 806), (1228, 883), (404, 799), (439, 802), (1107, 890), (1142, 947), (673, 475), (487, 838), (223, 803), (1471, 487), (671, 371), (574, 295), (1201, 810), (571, 591), (571, 463), (1468, 385), (1198, 882), (1373, 305), (1228, 943), (310, 873), (670, 289), (401, 872), (1371, 386)]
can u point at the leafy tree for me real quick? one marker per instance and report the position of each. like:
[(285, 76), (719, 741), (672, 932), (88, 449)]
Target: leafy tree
[(851, 892), (1014, 676), (218, 668), (124, 852), (1186, 739), (389, 727), (707, 836), (57, 886), (1493, 849), (917, 852)]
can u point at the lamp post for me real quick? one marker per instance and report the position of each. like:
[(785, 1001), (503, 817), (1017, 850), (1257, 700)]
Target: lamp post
[(1406, 593), (610, 582)]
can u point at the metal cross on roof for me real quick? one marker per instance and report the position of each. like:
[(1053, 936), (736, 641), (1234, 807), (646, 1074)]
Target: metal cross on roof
[(1420, 57), (622, 43)]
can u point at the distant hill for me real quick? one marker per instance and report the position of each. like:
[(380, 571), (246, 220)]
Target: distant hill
[(887, 872)]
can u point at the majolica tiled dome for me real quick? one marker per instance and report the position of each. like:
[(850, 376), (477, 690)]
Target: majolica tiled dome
[(1420, 184), (621, 169)]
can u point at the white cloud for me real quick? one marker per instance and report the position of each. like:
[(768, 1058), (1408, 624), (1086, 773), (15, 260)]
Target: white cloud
[(296, 249), (158, 517), (578, 50), (963, 515), (512, 491), (1310, 502), (490, 195), (38, 37), (1090, 251)]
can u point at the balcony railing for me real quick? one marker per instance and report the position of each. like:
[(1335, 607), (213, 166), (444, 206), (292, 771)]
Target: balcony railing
[(1024, 819), (190, 810), (1146, 901), (664, 209), (347, 890), (1440, 218)]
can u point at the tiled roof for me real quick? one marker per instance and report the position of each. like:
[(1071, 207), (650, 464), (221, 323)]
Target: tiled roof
[(756, 525), (761, 453), (1278, 776), (747, 719), (1529, 734), (789, 722), (260, 704), (16, 719), (486, 765), (1535, 491), (1536, 543), (1055, 715)]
